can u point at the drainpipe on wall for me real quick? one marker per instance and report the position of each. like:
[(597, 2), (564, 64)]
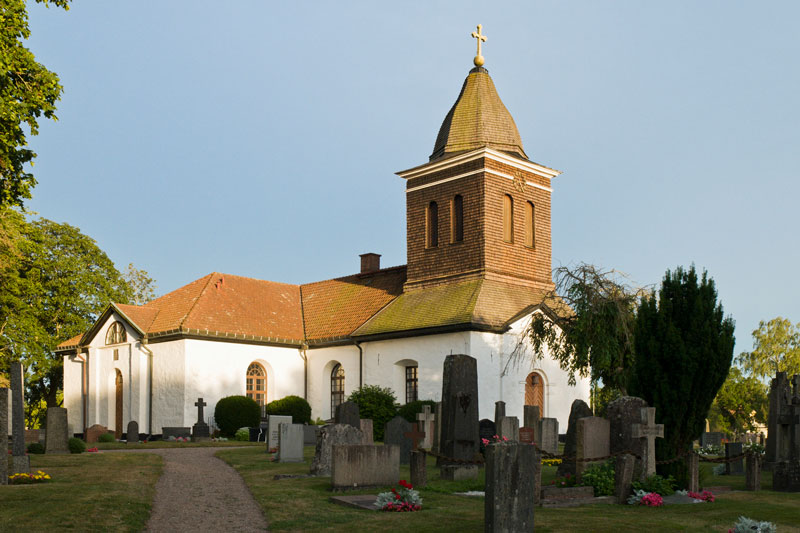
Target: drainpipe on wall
[(360, 365), (304, 355), (143, 344)]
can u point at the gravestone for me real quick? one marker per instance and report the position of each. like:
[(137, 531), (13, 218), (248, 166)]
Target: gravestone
[(499, 411), (780, 403), (526, 435), (173, 432), (200, 430), (623, 477), (592, 441), (694, 472), (425, 421), (537, 477), (273, 428), (329, 435), (437, 430), (290, 443), (416, 436), (94, 432), (711, 438), (786, 476), (734, 449), (647, 430), (459, 439), (548, 435), (487, 429), (347, 413), (510, 487), (622, 413), (31, 436), (4, 397), (363, 465), (579, 410), (419, 469), (57, 433), (752, 472), (310, 433), (508, 427), (132, 435), (531, 416), (366, 429), (394, 433), (20, 462)]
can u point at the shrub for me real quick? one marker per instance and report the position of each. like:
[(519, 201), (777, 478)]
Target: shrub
[(410, 410), (35, 447), (243, 434), (749, 525), (76, 445), (234, 412), (600, 477), (106, 437), (657, 484), (294, 406), (377, 403)]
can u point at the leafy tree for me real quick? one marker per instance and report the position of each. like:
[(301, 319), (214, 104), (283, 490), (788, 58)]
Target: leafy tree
[(142, 286), (27, 91), (591, 332), (684, 347), (377, 403), (741, 403), (777, 349)]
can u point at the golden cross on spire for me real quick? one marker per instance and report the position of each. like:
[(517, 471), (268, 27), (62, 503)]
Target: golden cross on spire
[(477, 35)]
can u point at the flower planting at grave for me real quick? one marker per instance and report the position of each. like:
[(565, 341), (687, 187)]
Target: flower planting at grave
[(748, 525), (648, 499), (566, 481), (706, 496), (92, 450), (28, 479), (402, 500), (555, 461), (495, 438)]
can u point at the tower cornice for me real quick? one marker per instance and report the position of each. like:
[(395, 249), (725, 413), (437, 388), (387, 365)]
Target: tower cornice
[(483, 152)]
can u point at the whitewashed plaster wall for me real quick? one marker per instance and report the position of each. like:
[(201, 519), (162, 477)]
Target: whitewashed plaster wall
[(73, 400), (320, 365)]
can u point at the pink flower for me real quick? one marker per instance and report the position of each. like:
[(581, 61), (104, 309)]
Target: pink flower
[(485, 441), (652, 499), (505, 438)]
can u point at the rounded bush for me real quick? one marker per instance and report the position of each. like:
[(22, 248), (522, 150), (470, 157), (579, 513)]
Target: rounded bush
[(243, 434), (410, 410), (35, 447), (377, 403), (106, 437), (294, 406), (234, 412), (76, 445)]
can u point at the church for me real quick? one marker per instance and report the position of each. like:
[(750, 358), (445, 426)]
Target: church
[(478, 267)]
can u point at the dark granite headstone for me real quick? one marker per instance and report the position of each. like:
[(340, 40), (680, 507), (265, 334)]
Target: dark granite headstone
[(167, 432), (733, 449), (394, 433), (419, 472), (622, 414), (510, 487), (310, 433), (752, 471), (499, 411), (200, 430), (780, 400), (347, 413), (132, 435), (459, 438), (531, 416), (623, 477), (711, 438), (4, 397), (487, 429), (694, 472), (20, 461), (579, 410), (786, 476)]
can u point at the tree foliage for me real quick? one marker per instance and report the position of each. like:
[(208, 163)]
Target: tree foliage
[(684, 346), (776, 349), (741, 403), (27, 91), (142, 286), (377, 403), (594, 335)]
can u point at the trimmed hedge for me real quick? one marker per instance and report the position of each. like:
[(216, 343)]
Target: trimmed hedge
[(76, 445), (35, 448), (377, 403), (234, 412), (106, 437), (410, 410), (294, 406)]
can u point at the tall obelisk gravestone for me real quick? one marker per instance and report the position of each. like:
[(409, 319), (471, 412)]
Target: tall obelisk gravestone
[(20, 462), (4, 436), (460, 407)]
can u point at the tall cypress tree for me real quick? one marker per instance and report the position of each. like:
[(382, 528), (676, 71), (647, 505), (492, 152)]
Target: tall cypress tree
[(684, 347)]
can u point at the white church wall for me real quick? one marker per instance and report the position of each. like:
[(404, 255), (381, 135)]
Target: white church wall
[(215, 369), (169, 362), (321, 362), (73, 399)]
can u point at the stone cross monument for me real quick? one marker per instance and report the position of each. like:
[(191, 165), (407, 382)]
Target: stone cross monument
[(649, 430), (200, 430), (425, 421)]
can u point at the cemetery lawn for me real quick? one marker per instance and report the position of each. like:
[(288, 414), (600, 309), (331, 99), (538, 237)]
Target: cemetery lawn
[(303, 504), (169, 444), (88, 492)]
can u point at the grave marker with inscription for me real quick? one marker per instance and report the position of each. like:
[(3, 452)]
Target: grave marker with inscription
[(648, 431)]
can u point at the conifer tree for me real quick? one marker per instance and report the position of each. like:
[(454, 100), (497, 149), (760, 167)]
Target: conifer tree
[(684, 346)]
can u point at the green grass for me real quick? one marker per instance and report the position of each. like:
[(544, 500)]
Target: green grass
[(303, 504), (88, 492), (170, 444)]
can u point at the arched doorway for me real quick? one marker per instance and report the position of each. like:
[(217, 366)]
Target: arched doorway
[(118, 410), (534, 391)]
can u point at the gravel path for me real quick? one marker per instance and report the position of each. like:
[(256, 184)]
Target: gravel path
[(199, 492)]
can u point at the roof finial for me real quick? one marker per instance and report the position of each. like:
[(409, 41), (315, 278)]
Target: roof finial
[(477, 35)]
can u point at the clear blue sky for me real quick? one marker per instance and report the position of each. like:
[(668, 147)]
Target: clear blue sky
[(261, 138)]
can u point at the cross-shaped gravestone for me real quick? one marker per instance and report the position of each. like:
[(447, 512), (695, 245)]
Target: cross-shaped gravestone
[(200, 404), (649, 430), (426, 419), (415, 435)]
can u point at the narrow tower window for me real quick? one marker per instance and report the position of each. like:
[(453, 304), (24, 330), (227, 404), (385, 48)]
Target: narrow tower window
[(508, 218), (530, 224), (411, 384), (337, 388), (457, 219), (432, 226)]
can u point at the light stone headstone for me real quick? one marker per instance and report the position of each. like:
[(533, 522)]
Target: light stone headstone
[(290, 443), (364, 465), (57, 433), (419, 471), (510, 487), (273, 427), (330, 435), (459, 438), (592, 439), (752, 472), (578, 410), (548, 435), (4, 397), (366, 429), (426, 421), (20, 462), (437, 432), (348, 413), (508, 427), (531, 416), (394, 433), (648, 431)]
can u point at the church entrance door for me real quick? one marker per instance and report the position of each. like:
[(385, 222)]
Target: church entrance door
[(534, 391), (118, 414)]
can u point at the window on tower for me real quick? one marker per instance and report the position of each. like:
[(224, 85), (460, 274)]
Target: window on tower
[(457, 219), (432, 226), (508, 218), (530, 224), (411, 384)]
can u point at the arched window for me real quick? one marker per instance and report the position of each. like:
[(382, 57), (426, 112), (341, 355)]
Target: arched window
[(432, 226), (530, 225), (116, 334), (411, 384), (337, 387), (257, 383), (457, 219), (534, 391), (508, 218)]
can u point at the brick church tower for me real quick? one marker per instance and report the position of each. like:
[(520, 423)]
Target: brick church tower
[(479, 209)]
